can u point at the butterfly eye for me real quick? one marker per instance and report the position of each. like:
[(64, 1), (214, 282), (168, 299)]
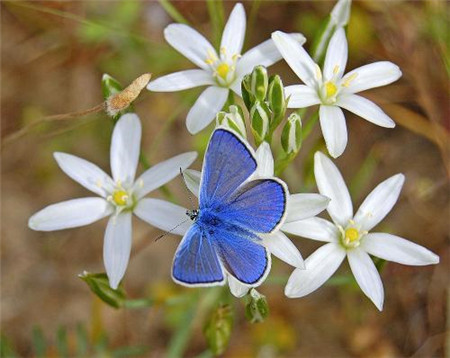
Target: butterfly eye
[(193, 214)]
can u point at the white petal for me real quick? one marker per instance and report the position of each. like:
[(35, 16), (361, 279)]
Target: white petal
[(264, 54), (236, 287), (163, 215), (234, 31), (340, 15), (296, 57), (319, 268), (280, 246), (192, 180), (162, 173), (189, 43), (264, 158), (331, 184), (334, 129), (301, 96), (372, 75), (125, 145), (69, 214), (117, 247), (87, 174), (379, 202), (336, 57), (304, 206), (205, 108), (181, 80), (396, 249), (366, 109), (314, 228), (367, 276)]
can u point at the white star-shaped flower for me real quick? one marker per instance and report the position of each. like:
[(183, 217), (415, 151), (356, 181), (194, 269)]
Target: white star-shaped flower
[(331, 89), (348, 236), (220, 71), (120, 196), (300, 206)]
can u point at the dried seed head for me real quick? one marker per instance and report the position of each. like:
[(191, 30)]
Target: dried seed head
[(120, 101)]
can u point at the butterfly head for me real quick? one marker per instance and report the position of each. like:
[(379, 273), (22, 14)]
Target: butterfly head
[(193, 214)]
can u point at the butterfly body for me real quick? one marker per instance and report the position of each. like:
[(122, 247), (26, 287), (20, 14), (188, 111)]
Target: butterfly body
[(225, 234)]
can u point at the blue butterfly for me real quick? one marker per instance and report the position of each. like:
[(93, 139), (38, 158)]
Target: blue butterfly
[(223, 238)]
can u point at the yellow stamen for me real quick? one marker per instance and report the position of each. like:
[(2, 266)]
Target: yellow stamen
[(348, 80), (120, 197), (351, 234), (330, 89), (336, 69), (222, 70)]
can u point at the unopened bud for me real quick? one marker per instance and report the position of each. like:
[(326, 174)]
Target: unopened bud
[(99, 285), (257, 308), (259, 82), (110, 86), (122, 100), (291, 137), (277, 101), (260, 117), (234, 119)]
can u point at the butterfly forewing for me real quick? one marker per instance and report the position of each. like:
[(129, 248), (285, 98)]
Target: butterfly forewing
[(228, 163)]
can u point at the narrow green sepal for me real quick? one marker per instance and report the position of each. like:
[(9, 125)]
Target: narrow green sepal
[(218, 329), (246, 92), (257, 308), (99, 285)]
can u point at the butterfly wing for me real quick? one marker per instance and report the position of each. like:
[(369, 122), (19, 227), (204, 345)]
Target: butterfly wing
[(228, 163), (257, 206), (196, 262), (242, 256)]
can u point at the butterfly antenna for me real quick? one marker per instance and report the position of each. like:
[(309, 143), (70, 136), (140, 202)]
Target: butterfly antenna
[(171, 230), (187, 189)]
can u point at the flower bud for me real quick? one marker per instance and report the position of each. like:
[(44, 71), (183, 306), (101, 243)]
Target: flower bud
[(259, 82), (291, 137), (110, 86), (234, 120), (260, 116), (218, 329), (99, 285), (277, 101), (257, 308)]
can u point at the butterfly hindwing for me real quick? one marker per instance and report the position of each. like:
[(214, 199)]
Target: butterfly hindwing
[(242, 256), (196, 261), (228, 163), (258, 205)]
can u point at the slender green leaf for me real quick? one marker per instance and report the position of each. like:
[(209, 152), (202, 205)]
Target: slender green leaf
[(216, 14), (173, 12), (61, 342), (39, 344)]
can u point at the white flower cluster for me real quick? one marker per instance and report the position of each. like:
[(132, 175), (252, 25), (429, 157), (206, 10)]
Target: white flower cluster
[(346, 235)]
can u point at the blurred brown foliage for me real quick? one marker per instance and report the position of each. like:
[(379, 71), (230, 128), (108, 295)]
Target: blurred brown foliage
[(53, 56)]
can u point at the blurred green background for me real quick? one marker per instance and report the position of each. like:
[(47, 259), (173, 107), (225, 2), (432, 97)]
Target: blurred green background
[(53, 56)]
